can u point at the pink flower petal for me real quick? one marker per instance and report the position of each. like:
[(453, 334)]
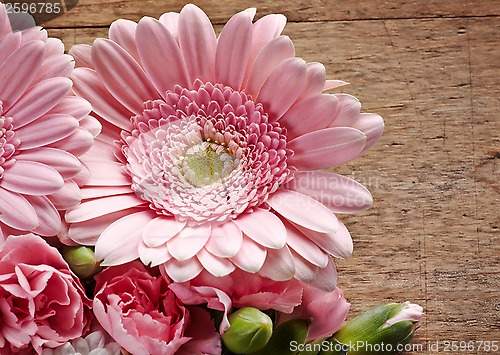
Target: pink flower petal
[(18, 72), (189, 241), (304, 270), (48, 216), (88, 85), (171, 21), (348, 112), (82, 55), (305, 247), (216, 266), (272, 236), (68, 196), (77, 143), (74, 106), (123, 32), (309, 115), (117, 69), (46, 130), (87, 232), (108, 173), (4, 22), (303, 210), (315, 81), (16, 211), (339, 193), (54, 46), (225, 240), (273, 54), (372, 126), (333, 84), (233, 50), (198, 43), (338, 244), (56, 66), (125, 232), (326, 148), (283, 87), (8, 45), (250, 257), (32, 178), (89, 192), (182, 271), (154, 256), (92, 125), (102, 206), (154, 42), (326, 279), (279, 265), (160, 230), (63, 162)]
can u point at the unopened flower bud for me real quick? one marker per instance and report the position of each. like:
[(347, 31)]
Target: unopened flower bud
[(250, 331), (82, 261), (380, 330)]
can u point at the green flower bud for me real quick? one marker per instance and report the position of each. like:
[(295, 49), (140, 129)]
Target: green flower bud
[(287, 338), (381, 330), (81, 261), (250, 331)]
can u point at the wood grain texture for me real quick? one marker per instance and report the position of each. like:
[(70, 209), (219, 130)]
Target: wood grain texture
[(432, 70)]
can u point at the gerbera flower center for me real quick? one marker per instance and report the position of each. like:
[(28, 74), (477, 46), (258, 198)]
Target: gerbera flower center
[(207, 163), (8, 142), (206, 154)]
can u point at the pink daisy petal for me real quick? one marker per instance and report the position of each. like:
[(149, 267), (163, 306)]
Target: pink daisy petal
[(17, 78), (279, 265), (56, 65), (189, 241), (303, 210), (309, 115), (273, 54), (333, 84), (77, 143), (160, 230), (126, 232), (198, 43), (250, 257), (87, 85), (102, 191), (47, 214), (327, 148), (46, 130), (339, 193), (66, 164), (315, 81), (32, 178), (348, 111), (66, 197), (338, 243), (16, 211), (92, 125), (233, 50), (4, 22), (305, 247), (171, 21), (154, 41), (372, 126), (225, 240), (53, 46), (8, 45), (154, 256), (107, 173), (117, 69), (326, 278), (265, 30), (216, 266), (82, 55), (304, 270), (273, 236), (123, 33), (283, 86), (73, 106), (182, 271), (102, 206)]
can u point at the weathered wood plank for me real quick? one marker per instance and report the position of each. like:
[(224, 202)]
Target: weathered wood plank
[(432, 235), (101, 13)]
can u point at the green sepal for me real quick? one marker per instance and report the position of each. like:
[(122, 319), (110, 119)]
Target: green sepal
[(284, 335)]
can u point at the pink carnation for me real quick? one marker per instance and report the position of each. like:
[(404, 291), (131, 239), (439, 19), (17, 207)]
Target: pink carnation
[(42, 304), (141, 314), (211, 147), (43, 131)]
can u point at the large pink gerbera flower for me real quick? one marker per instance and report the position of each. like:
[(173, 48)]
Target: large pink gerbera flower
[(209, 149), (42, 131)]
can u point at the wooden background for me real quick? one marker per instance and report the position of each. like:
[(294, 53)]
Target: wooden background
[(432, 70)]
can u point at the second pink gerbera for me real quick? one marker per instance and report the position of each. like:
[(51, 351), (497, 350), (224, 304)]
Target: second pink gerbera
[(210, 148)]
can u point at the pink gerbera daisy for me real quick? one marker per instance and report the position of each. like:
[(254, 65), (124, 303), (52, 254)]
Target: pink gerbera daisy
[(42, 131), (210, 149)]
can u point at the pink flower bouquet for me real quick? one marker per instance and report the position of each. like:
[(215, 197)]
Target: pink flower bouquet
[(190, 163)]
